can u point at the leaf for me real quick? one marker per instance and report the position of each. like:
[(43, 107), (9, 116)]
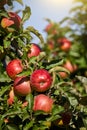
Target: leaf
[(29, 125), (59, 69), (34, 31), (12, 127), (26, 14), (57, 109), (82, 79), (29, 98), (3, 90), (54, 63), (85, 123)]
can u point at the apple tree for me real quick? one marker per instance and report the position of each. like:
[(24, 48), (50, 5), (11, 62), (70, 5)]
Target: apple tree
[(42, 86)]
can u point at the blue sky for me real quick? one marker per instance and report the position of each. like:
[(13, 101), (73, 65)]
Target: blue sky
[(55, 10)]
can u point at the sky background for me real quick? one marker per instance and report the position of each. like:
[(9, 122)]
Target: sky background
[(55, 10)]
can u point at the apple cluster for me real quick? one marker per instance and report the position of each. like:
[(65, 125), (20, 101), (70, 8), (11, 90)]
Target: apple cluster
[(40, 81)]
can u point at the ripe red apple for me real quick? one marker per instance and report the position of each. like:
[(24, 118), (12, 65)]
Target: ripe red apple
[(43, 102), (34, 50), (16, 18), (40, 80), (65, 44), (14, 67), (12, 21), (68, 65), (22, 86)]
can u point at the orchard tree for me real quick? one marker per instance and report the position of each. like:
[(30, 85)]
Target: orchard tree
[(39, 88)]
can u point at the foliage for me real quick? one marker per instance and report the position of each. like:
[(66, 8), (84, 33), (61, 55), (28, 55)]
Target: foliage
[(69, 93)]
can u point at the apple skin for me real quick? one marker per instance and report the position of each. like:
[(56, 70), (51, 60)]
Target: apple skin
[(34, 50), (63, 75), (65, 44), (43, 102), (13, 21), (13, 68), (50, 44), (16, 18), (68, 65), (22, 86), (40, 80), (48, 27)]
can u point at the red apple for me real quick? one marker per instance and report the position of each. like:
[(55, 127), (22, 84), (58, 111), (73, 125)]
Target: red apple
[(63, 75), (68, 65), (50, 44), (48, 27), (22, 86), (12, 21), (24, 104), (14, 67), (40, 80), (34, 50), (16, 18), (65, 44), (43, 102), (51, 29), (6, 22)]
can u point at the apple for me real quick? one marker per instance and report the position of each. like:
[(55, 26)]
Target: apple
[(48, 27), (14, 67), (16, 18), (34, 50), (24, 104), (65, 44), (69, 66), (22, 86), (51, 29), (63, 75), (12, 21), (50, 44), (43, 102), (40, 80)]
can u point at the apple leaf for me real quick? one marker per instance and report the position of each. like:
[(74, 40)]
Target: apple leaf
[(29, 98), (26, 14), (29, 125)]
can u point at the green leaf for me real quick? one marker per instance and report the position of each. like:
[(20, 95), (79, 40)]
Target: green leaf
[(4, 89), (59, 69), (26, 14), (29, 98), (34, 31), (82, 79), (29, 125), (54, 63), (12, 127)]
